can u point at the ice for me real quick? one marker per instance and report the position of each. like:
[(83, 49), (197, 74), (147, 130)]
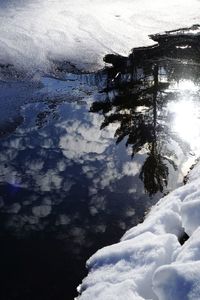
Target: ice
[(36, 33)]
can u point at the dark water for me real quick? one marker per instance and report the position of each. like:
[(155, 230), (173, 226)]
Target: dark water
[(66, 190), (84, 156)]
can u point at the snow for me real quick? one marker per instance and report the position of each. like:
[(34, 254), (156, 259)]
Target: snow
[(189, 252), (178, 281), (191, 215), (115, 266), (163, 218), (36, 33), (181, 279), (149, 262)]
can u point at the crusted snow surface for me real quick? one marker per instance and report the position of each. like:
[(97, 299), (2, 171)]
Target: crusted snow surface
[(35, 33), (149, 262)]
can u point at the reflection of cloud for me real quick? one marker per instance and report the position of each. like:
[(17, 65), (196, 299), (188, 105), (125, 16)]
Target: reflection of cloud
[(130, 212), (131, 168), (63, 220), (61, 165), (49, 180), (89, 171), (122, 225), (98, 203), (1, 202), (41, 211), (9, 154), (30, 200), (35, 165), (104, 177), (81, 139), (25, 222), (13, 209), (75, 146), (84, 137), (93, 210), (78, 235), (17, 143), (46, 201), (100, 228), (67, 184), (109, 175), (52, 167), (132, 190)]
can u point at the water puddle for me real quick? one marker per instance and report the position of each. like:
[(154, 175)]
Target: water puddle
[(84, 156)]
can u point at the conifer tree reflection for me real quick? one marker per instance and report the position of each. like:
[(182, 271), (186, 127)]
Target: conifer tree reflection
[(136, 91)]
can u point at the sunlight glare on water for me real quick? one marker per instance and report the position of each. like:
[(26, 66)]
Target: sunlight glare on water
[(186, 114), (187, 86)]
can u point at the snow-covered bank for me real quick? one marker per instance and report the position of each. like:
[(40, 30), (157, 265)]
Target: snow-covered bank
[(37, 32), (149, 262)]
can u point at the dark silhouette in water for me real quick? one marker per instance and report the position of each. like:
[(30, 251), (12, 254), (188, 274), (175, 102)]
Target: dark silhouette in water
[(138, 87)]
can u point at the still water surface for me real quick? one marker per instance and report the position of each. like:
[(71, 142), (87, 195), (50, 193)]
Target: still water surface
[(82, 159)]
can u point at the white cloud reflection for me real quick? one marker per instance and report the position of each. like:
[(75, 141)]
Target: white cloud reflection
[(131, 168)]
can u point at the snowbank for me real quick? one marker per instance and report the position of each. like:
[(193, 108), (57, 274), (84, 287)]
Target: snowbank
[(36, 32), (149, 262), (181, 279), (124, 271)]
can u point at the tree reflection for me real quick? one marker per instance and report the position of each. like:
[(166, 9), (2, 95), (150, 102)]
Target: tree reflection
[(137, 91)]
